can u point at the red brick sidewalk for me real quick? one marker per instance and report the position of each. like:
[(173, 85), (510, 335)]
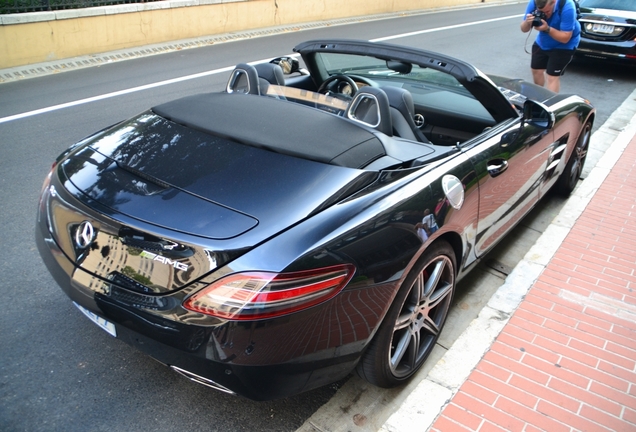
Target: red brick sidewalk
[(566, 360)]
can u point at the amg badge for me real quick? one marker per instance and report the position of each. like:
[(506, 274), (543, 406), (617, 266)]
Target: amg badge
[(164, 260)]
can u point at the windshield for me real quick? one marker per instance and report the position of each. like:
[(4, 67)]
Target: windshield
[(624, 5), (383, 72), (432, 90)]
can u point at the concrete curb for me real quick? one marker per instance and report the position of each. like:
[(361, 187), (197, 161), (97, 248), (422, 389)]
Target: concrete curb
[(426, 402)]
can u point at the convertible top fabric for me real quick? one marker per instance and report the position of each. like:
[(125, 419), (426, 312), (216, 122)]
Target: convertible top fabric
[(277, 125)]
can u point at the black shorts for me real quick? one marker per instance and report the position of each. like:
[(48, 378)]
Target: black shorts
[(553, 61)]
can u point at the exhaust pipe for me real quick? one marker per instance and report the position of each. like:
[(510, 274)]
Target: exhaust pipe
[(200, 380)]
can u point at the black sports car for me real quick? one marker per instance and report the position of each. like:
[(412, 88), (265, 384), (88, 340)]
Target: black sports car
[(608, 30), (276, 236)]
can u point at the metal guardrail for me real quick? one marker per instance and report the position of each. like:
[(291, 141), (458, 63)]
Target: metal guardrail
[(22, 6)]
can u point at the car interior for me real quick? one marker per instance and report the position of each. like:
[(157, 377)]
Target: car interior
[(409, 110), (401, 115)]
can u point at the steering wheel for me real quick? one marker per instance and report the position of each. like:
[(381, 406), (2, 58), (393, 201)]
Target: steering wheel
[(338, 77)]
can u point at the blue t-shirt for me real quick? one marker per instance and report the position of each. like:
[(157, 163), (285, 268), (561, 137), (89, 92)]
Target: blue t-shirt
[(564, 20)]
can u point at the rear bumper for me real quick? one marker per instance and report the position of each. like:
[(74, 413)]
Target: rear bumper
[(257, 360), (253, 382), (610, 51)]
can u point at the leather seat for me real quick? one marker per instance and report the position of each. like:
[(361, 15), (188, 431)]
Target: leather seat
[(270, 72), (403, 114)]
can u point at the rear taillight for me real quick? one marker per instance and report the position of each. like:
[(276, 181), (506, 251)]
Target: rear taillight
[(258, 295)]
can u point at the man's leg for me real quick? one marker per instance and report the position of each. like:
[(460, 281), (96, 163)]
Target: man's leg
[(538, 64), (538, 76), (559, 60), (554, 83)]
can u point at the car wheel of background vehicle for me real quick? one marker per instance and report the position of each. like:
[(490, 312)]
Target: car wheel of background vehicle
[(570, 176), (414, 321)]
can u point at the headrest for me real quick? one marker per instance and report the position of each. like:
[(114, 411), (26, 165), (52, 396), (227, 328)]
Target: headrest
[(244, 79), (270, 72), (370, 106)]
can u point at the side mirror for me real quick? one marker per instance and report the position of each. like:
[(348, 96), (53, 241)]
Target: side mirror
[(289, 65), (537, 114)]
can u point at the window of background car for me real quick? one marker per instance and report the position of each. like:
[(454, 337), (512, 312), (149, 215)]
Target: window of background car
[(624, 5)]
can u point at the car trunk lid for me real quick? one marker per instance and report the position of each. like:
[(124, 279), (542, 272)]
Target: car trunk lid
[(162, 186)]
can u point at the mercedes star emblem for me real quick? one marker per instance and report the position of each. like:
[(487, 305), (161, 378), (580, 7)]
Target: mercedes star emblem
[(84, 235)]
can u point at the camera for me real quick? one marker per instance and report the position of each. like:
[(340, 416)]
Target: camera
[(538, 16)]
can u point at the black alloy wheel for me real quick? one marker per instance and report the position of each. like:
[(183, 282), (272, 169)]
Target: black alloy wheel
[(572, 172), (414, 322)]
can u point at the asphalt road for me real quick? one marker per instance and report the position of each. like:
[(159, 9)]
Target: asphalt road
[(60, 372)]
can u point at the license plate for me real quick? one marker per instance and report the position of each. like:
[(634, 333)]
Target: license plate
[(603, 28), (104, 324)]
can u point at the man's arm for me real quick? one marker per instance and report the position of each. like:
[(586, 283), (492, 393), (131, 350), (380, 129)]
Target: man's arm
[(526, 25), (568, 23), (557, 35)]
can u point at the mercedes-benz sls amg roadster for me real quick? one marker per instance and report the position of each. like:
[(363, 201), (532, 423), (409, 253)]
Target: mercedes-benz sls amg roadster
[(309, 220)]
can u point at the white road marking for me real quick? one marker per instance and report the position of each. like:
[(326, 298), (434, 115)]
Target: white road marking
[(214, 72), (419, 32), (113, 94)]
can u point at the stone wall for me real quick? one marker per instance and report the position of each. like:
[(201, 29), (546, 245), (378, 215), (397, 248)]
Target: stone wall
[(48, 36)]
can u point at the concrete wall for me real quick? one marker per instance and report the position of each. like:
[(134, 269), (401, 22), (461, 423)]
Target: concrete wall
[(45, 36)]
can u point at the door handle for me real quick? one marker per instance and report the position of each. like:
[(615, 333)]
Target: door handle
[(496, 167)]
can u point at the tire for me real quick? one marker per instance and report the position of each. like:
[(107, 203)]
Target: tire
[(570, 176), (414, 321)]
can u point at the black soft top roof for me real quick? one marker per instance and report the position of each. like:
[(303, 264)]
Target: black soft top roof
[(276, 125)]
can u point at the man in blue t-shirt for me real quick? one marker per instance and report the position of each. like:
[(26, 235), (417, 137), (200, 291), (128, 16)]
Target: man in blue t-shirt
[(559, 35)]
